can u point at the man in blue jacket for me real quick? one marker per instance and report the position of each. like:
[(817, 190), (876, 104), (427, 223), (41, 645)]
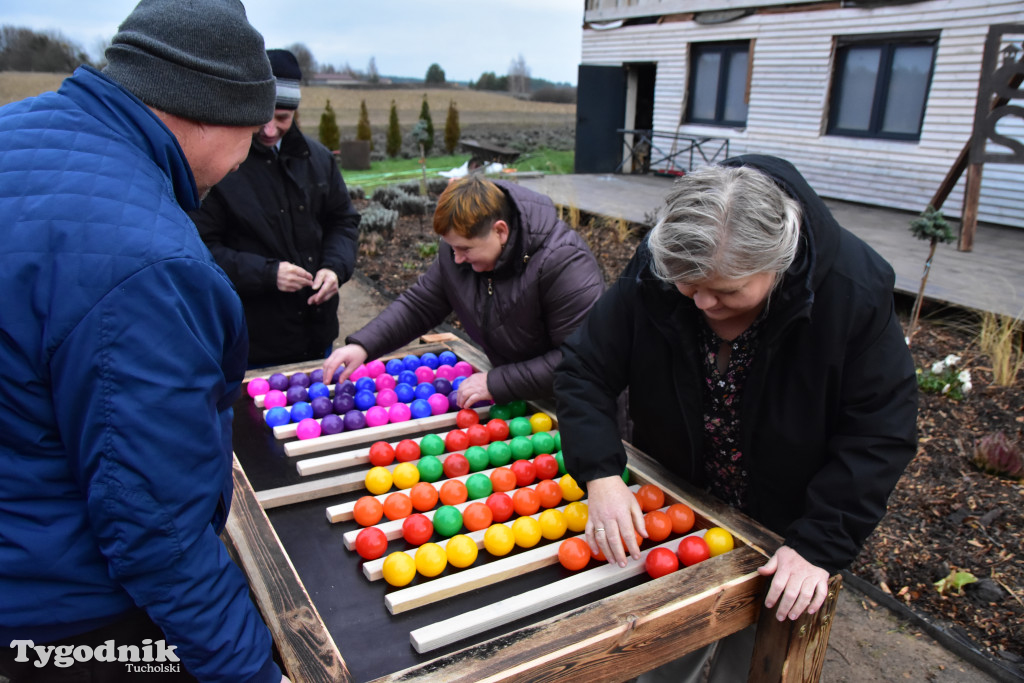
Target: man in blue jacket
[(122, 349)]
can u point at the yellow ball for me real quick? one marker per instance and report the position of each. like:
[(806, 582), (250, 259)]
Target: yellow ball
[(526, 531), (540, 422), (499, 540), (576, 516), (431, 559), (570, 489), (406, 475), (719, 540), (461, 551), (378, 480), (399, 569), (552, 524)]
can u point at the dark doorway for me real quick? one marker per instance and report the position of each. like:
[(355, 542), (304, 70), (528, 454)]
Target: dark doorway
[(645, 77), (600, 113)]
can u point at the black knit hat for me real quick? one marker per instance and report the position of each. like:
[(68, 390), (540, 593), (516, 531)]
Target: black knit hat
[(197, 59), (289, 76)]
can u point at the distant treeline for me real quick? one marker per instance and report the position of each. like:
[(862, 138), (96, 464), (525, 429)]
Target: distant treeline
[(22, 49)]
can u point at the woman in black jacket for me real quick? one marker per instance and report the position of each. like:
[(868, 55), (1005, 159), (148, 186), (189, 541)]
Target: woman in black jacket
[(765, 362)]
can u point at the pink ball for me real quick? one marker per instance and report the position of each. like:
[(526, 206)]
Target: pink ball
[(274, 398), (424, 374), (308, 429), (358, 373), (386, 397), (258, 387), (376, 416), (446, 372), (399, 413), (385, 381), (438, 404), (463, 369), (374, 368)]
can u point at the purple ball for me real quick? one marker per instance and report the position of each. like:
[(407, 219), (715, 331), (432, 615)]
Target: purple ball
[(453, 401), (332, 424), (354, 420), (365, 400), (442, 386), (346, 387), (420, 408), (301, 379), (404, 392), (278, 381), (295, 394), (316, 375), (343, 403), (322, 406)]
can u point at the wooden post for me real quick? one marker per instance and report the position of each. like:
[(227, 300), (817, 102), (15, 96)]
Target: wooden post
[(969, 221)]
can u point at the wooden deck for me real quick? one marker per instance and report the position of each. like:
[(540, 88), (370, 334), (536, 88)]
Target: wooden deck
[(989, 278)]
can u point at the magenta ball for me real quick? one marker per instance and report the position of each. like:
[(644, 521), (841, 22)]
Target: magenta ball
[(463, 369), (322, 406), (385, 381), (376, 416), (331, 424), (300, 379), (274, 398), (354, 420), (358, 373), (258, 387), (424, 374), (375, 368), (308, 429), (386, 397), (445, 372), (399, 413), (278, 381), (438, 403)]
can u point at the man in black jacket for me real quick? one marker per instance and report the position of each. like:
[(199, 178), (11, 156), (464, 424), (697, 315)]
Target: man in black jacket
[(284, 230)]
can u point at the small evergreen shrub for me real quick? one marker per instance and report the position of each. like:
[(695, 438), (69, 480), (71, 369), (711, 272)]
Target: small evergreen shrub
[(363, 130), (452, 130), (330, 136), (394, 139), (379, 219)]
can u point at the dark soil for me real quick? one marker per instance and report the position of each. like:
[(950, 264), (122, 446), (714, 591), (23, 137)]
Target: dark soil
[(945, 513)]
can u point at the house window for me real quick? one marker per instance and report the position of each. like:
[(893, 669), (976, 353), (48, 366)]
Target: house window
[(880, 88), (717, 93)]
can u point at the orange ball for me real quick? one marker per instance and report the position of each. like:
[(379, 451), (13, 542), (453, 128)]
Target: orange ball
[(574, 553), (453, 492), (367, 511), (423, 496), (681, 516), (502, 479), (397, 506), (525, 502), (650, 497), (550, 493), (659, 525), (477, 516)]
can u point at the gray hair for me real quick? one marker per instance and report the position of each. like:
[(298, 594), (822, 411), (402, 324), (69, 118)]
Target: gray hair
[(730, 222)]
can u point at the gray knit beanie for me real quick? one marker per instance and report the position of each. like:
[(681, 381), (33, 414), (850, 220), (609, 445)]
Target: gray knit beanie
[(197, 59)]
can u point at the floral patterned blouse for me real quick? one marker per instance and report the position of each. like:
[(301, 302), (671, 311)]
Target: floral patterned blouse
[(724, 469)]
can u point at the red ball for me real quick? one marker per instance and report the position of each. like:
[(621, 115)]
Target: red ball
[(692, 550), (407, 450), (546, 465), (417, 529), (501, 505), (382, 454), (466, 418), (371, 543), (478, 435), (456, 440), (498, 429), (525, 472), (661, 561), (455, 465)]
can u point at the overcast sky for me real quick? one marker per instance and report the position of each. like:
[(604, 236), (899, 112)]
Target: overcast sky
[(466, 37)]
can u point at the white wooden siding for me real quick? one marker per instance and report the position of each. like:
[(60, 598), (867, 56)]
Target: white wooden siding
[(790, 81)]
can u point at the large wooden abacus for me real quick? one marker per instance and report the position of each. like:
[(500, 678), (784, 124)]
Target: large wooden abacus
[(517, 618)]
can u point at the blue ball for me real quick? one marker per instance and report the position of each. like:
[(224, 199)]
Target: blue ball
[(365, 384), (407, 377), (322, 405), (346, 387), (278, 416), (424, 390), (301, 410), (318, 389), (316, 375), (344, 403), (456, 382), (447, 358), (365, 400), (430, 360), (411, 362), (394, 366), (442, 386), (420, 408), (404, 392)]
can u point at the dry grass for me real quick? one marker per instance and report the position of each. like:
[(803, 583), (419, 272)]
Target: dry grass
[(1001, 338), (474, 107)]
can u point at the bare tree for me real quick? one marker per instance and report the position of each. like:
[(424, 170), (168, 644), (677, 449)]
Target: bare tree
[(372, 75), (305, 58), (518, 76), (22, 49)]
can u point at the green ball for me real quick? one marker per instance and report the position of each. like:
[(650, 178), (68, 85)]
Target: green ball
[(501, 412), (499, 454), (479, 486), (431, 444), (558, 441), (561, 462), (520, 426), (625, 475), (430, 468), (477, 457), (517, 407), (447, 520), (521, 447), (543, 442)]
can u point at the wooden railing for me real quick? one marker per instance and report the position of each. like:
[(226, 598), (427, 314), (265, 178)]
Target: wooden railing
[(646, 150)]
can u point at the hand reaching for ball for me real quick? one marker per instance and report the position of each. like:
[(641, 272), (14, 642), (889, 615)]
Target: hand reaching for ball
[(348, 357), (473, 390)]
